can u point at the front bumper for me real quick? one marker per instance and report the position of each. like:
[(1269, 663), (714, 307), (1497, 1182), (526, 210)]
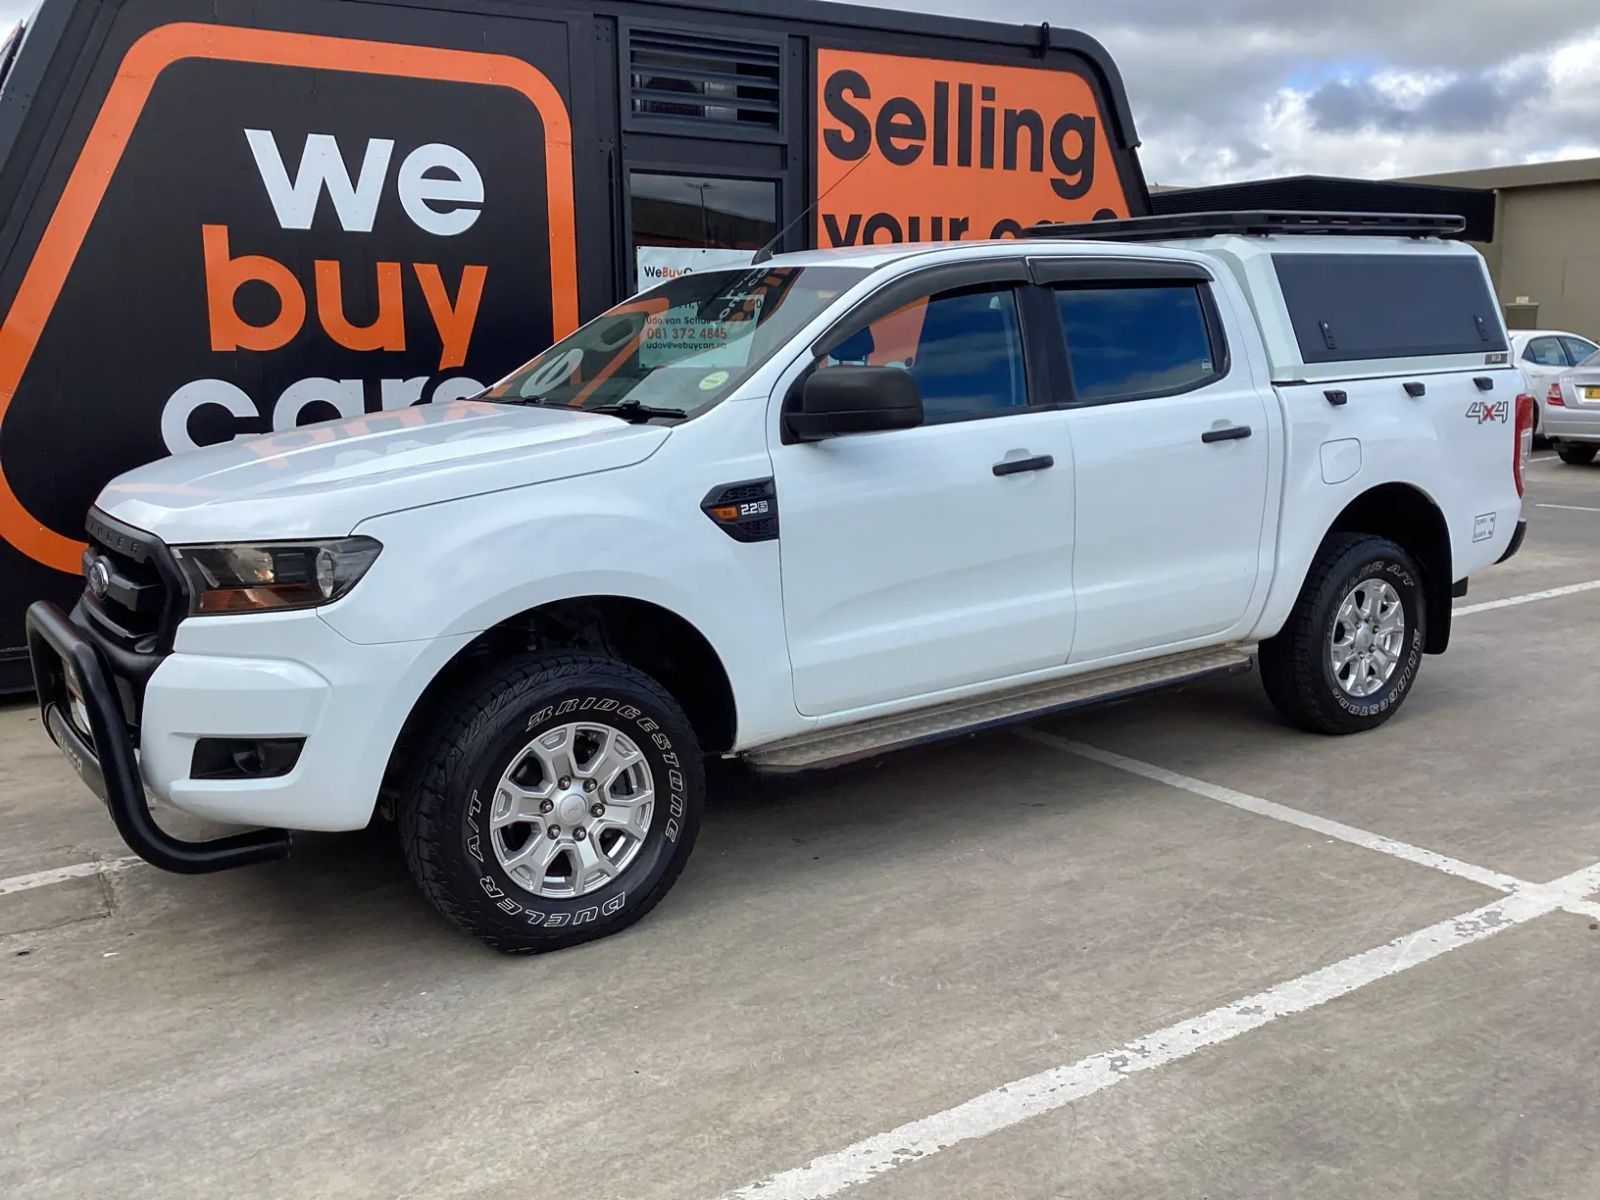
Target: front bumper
[(68, 667), (233, 677)]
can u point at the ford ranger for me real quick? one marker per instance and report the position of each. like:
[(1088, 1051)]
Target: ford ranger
[(835, 504)]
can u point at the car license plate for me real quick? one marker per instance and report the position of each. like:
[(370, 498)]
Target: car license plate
[(1591, 393)]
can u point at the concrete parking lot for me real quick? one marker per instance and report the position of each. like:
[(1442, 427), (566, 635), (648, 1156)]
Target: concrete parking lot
[(1169, 949)]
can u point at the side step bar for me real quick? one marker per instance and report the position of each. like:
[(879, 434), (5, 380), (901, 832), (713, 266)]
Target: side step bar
[(833, 747)]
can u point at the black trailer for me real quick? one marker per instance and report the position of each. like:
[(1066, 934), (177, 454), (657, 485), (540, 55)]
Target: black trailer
[(229, 217)]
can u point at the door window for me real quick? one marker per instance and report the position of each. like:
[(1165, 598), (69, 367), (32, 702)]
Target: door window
[(1578, 349), (703, 211), (1545, 352), (964, 348), (1129, 342)]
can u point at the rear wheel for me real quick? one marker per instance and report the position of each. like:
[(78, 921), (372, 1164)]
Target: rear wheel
[(558, 803), (1577, 453), (1349, 653)]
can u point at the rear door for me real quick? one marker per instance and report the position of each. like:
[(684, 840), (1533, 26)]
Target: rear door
[(1171, 456)]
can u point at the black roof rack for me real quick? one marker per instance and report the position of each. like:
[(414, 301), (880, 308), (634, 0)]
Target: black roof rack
[(1263, 221)]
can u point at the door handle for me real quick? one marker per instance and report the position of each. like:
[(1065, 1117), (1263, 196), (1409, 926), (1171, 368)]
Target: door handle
[(1015, 466), (1231, 434)]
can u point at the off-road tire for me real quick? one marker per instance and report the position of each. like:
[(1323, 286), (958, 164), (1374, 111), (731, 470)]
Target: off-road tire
[(1295, 666), (444, 803), (1577, 454)]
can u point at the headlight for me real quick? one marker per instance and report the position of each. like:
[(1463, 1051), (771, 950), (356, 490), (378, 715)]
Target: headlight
[(273, 576)]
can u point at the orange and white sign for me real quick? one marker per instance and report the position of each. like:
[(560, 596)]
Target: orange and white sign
[(922, 149)]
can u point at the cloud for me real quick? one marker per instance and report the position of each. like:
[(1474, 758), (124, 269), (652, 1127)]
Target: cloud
[(1250, 89), (1461, 104)]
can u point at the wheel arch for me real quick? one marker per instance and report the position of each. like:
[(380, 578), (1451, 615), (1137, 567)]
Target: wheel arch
[(1410, 518), (645, 635)]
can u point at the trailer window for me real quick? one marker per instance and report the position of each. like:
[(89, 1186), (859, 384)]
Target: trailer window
[(702, 211), (682, 346), (1349, 307)]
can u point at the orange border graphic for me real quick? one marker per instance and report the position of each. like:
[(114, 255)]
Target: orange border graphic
[(108, 138)]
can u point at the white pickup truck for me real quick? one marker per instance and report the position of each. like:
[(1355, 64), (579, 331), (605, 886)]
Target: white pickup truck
[(838, 503)]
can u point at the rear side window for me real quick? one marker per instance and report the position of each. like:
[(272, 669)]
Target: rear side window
[(1348, 307), (1545, 352), (1127, 342), (1577, 349)]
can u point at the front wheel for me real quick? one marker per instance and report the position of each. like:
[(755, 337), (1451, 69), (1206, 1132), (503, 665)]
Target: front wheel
[(558, 803), (1577, 453), (1349, 653)]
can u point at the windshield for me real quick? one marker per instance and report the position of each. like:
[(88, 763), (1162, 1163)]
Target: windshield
[(679, 348)]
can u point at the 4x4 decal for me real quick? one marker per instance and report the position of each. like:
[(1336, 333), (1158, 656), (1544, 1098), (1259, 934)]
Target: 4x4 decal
[(1484, 411)]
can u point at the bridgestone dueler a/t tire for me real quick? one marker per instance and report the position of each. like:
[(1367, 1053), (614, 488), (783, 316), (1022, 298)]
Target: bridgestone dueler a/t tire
[(1295, 665), (444, 806)]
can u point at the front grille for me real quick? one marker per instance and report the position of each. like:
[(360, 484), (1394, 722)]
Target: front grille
[(131, 591)]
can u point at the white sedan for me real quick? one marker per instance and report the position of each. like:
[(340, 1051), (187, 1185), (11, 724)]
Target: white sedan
[(1544, 355)]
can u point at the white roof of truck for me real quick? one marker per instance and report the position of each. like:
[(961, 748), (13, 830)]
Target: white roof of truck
[(1474, 338)]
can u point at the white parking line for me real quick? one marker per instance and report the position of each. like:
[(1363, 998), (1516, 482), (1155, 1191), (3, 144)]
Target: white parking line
[(1053, 1089), (1281, 812), (1018, 1101), (1569, 899), (38, 879), (1569, 507), (1572, 589)]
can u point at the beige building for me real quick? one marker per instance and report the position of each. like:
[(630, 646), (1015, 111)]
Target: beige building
[(1545, 257)]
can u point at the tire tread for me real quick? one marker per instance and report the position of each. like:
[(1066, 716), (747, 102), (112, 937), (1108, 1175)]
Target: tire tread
[(1291, 662), (423, 821)]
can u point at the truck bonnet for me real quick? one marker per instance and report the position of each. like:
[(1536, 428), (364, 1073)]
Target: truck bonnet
[(324, 479)]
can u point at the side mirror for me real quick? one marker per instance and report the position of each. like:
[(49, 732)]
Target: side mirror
[(844, 400)]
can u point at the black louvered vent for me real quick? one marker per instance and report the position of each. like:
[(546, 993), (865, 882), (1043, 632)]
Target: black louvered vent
[(690, 77)]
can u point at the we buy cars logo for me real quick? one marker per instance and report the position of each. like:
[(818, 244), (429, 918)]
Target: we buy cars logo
[(266, 228)]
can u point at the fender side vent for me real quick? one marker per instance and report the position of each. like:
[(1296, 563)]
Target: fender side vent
[(746, 512)]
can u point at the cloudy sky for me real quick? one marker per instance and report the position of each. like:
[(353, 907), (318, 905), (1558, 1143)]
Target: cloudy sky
[(1248, 89)]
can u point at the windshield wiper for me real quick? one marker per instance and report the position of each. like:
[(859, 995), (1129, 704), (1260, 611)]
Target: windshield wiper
[(637, 413)]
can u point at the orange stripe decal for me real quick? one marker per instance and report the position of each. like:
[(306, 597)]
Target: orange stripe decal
[(125, 101)]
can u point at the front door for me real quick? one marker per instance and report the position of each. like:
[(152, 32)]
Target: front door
[(1171, 461), (910, 564)]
